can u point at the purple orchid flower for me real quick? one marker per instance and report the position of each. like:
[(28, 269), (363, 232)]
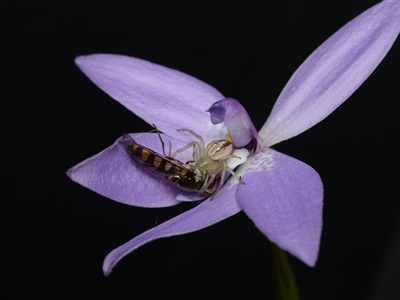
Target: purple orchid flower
[(282, 195)]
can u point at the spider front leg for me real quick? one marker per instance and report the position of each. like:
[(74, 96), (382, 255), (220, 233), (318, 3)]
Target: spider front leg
[(238, 178), (195, 152), (225, 169), (212, 187), (213, 177), (210, 181), (201, 148)]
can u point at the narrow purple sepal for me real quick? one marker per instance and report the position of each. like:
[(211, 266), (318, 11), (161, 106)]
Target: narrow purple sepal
[(113, 174), (240, 127), (159, 95), (205, 214), (333, 72), (283, 196)]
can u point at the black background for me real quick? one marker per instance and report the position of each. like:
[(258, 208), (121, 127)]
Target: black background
[(56, 233)]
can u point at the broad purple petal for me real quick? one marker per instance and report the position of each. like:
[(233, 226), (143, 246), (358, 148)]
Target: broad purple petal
[(333, 72), (283, 197), (205, 214), (240, 127), (159, 95), (113, 174)]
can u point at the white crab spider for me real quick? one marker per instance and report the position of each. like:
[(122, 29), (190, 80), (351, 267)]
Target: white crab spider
[(210, 160)]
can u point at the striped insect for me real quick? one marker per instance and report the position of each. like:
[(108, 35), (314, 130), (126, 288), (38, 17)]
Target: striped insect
[(185, 176)]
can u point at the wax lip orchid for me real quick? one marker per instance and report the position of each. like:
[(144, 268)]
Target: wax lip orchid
[(282, 195)]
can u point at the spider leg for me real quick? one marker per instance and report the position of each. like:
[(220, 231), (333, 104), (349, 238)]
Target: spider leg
[(201, 143), (238, 178), (209, 182), (230, 156), (194, 145), (212, 178)]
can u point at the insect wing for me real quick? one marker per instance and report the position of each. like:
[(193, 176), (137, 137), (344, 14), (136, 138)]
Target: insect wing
[(150, 159)]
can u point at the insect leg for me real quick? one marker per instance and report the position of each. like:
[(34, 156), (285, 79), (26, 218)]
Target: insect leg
[(162, 142), (170, 149)]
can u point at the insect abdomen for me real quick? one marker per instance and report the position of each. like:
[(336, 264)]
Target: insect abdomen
[(149, 158)]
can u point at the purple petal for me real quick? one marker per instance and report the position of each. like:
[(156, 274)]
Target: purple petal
[(159, 95), (240, 127), (333, 72), (283, 197), (205, 214), (113, 174)]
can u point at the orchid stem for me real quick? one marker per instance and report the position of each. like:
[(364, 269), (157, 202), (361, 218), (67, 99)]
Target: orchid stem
[(285, 283)]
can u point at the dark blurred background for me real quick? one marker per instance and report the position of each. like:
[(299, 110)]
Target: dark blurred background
[(55, 233)]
